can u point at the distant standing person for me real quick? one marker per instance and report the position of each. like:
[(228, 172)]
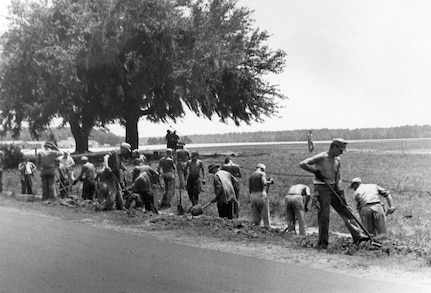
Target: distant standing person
[(326, 167), (194, 182), (235, 170), (88, 176), (69, 163), (226, 188), (47, 160), (27, 169), (310, 141), (167, 168), (114, 164), (258, 195), (370, 207), (182, 156), (296, 202)]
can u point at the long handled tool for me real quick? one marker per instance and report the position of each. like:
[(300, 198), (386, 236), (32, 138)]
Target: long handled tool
[(199, 209), (372, 242), (180, 208)]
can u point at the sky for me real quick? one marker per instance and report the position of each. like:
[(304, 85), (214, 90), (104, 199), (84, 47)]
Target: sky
[(350, 64)]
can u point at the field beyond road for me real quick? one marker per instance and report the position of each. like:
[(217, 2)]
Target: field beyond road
[(401, 166)]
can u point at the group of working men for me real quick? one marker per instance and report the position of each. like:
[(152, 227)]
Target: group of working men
[(325, 166)]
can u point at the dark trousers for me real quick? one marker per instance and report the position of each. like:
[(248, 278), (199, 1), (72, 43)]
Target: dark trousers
[(194, 188), (326, 200), (88, 189), (225, 210), (27, 184)]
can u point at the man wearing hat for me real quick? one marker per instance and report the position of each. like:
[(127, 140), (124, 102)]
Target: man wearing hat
[(87, 175), (226, 189), (194, 182), (326, 168), (258, 195), (114, 163), (47, 160), (370, 207), (235, 170), (166, 167)]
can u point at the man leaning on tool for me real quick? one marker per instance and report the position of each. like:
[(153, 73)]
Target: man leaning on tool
[(370, 207), (259, 196), (114, 162), (326, 167)]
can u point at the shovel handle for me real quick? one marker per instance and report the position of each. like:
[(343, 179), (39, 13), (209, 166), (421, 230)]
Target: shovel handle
[(207, 204)]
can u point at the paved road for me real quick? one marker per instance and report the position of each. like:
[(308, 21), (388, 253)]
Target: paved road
[(45, 254)]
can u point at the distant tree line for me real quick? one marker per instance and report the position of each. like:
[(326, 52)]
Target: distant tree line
[(101, 136), (415, 131)]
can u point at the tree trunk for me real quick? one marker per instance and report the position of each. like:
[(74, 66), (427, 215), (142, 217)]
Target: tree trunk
[(80, 134), (132, 135)]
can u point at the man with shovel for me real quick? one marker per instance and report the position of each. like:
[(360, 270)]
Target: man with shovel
[(259, 195), (226, 189), (326, 167), (370, 207)]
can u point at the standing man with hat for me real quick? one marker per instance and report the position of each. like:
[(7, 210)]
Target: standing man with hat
[(87, 175), (47, 160), (258, 195), (370, 207), (114, 163), (326, 167), (226, 189)]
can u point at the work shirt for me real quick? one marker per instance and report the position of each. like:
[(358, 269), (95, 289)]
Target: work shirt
[(225, 187), (26, 168), (369, 193), (142, 184), (68, 161), (88, 171), (48, 161)]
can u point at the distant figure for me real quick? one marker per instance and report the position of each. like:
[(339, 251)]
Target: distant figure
[(167, 168), (47, 160), (27, 169), (226, 188), (139, 159), (310, 141), (259, 196), (194, 181), (88, 176), (182, 156), (69, 163), (296, 202), (233, 169), (370, 207), (172, 140)]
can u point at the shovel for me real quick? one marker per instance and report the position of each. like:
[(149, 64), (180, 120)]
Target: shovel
[(199, 209), (180, 208), (372, 242)]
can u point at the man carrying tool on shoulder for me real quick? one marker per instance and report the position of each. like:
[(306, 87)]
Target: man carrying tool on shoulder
[(326, 167), (370, 207), (259, 195)]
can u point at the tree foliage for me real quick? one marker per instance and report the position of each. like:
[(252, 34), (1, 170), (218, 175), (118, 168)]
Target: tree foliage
[(96, 62)]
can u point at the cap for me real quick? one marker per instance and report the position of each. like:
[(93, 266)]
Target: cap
[(340, 143), (213, 167), (355, 180), (261, 166), (126, 145), (169, 150), (84, 159), (195, 154)]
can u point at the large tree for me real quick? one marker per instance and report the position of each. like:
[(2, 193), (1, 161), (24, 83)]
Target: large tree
[(94, 62)]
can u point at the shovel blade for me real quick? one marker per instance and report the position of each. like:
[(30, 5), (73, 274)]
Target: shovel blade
[(197, 210)]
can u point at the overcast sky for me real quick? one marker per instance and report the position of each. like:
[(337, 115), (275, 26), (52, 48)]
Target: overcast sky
[(350, 64)]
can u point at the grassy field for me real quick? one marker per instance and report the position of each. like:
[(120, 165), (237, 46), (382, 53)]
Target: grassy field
[(401, 166)]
